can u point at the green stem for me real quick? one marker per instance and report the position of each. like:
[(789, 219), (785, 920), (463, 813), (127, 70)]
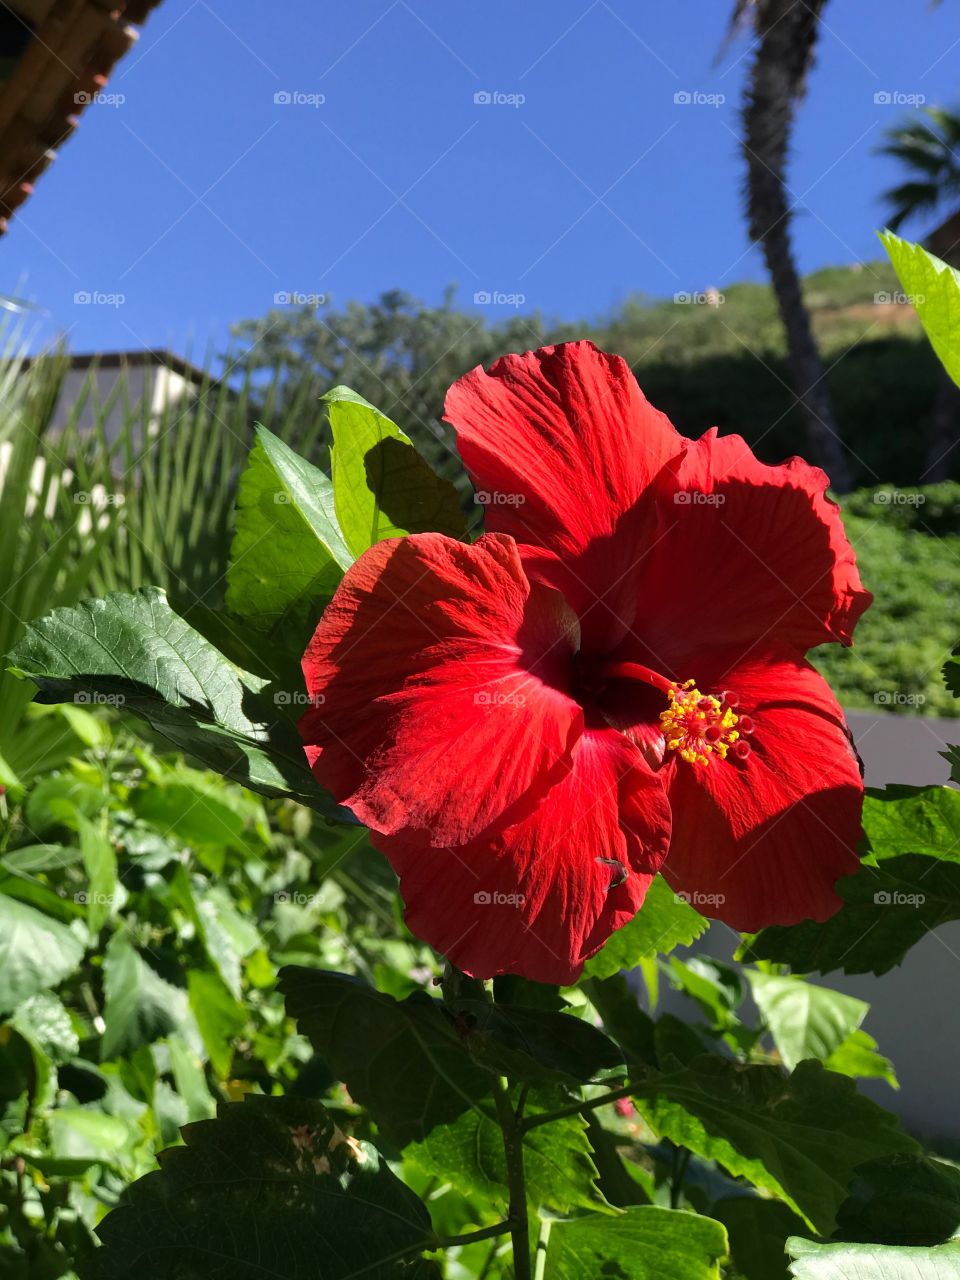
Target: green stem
[(543, 1243), (512, 1128), (577, 1108), (471, 1237)]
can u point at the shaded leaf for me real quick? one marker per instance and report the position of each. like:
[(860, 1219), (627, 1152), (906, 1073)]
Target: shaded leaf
[(382, 487), (908, 1199), (402, 1059), (758, 1230), (269, 1188), (799, 1136)]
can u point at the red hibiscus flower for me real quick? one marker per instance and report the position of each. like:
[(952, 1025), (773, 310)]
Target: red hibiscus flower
[(610, 682)]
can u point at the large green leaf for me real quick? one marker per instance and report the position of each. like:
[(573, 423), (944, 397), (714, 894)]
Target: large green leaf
[(269, 1188), (643, 1243), (537, 1044), (402, 1059), (934, 290), (666, 920), (799, 1136), (758, 1229), (805, 1021), (140, 1006), (908, 1199), (36, 953), (908, 883), (872, 1261), (133, 651), (382, 487), (560, 1174), (288, 553)]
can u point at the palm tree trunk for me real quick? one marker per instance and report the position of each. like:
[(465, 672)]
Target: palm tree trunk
[(787, 31)]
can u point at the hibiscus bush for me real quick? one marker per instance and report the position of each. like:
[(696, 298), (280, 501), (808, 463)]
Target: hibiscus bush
[(575, 739)]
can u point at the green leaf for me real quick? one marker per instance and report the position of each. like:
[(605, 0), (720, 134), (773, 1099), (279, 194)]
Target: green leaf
[(560, 1174), (805, 1021), (269, 1188), (643, 1243), (758, 1230), (934, 290), (36, 953), (382, 487), (80, 1138), (140, 1006), (220, 1018), (39, 857), (951, 672), (288, 553), (402, 1059), (908, 883), (133, 651), (100, 864), (858, 1057), (190, 1080), (666, 920), (46, 1024), (907, 1199), (872, 1262), (537, 1045), (798, 1136), (226, 935)]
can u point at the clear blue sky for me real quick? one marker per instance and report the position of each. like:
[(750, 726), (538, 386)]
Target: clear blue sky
[(199, 197)]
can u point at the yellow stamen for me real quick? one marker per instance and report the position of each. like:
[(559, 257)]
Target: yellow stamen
[(698, 726)]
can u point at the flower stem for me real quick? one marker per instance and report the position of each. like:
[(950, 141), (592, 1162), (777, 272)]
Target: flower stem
[(577, 1108), (512, 1128)]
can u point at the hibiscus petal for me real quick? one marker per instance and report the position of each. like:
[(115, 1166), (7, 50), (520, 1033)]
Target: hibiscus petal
[(546, 894), (748, 555), (763, 841), (562, 446), (437, 676)]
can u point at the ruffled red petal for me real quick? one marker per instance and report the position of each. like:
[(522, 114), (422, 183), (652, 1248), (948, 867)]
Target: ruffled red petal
[(764, 840), (747, 555), (546, 893), (563, 447), (436, 675)]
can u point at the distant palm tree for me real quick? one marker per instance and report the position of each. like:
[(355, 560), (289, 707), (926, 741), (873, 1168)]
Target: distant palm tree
[(928, 148), (786, 36)]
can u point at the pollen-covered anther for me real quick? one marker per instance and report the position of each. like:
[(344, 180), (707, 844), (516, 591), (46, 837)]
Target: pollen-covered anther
[(698, 726)]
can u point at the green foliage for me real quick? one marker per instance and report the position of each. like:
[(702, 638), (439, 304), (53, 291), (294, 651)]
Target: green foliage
[(908, 883), (134, 652), (907, 1199), (872, 1262), (271, 1186), (644, 1243), (663, 922), (935, 290), (799, 1136), (804, 1020)]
